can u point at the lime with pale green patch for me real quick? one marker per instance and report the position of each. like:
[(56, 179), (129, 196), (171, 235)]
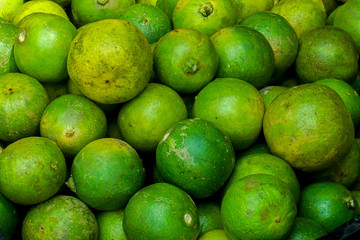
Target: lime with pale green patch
[(246, 8), (269, 93), (111, 225), (218, 234), (209, 217), (8, 35), (9, 217), (306, 229)]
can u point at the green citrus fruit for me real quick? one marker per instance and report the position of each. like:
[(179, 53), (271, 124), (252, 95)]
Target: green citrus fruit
[(246, 8), (61, 217), (255, 149), (161, 211), (152, 21), (150, 2), (73, 121), (327, 203), (167, 6), (62, 3), (331, 17), (106, 173), (349, 96), (232, 104), (281, 36), (9, 7), (144, 120), (111, 225), (88, 11), (309, 127), (113, 130), (185, 60), (9, 217), (290, 82), (34, 48), (111, 69), (8, 34), (327, 52), (356, 195), (356, 83), (38, 7), (31, 170), (303, 15), (55, 90), (306, 229), (180, 157), (209, 217), (258, 206), (22, 102), (204, 16), (244, 53), (218, 234), (269, 93)]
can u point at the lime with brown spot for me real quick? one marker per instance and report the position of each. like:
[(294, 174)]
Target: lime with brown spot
[(111, 69), (61, 217), (44, 40), (161, 211), (306, 229), (245, 8), (204, 16), (209, 216), (327, 203), (258, 206), (22, 102), (327, 52), (144, 120), (31, 170), (9, 7), (185, 60), (111, 225), (218, 234), (269, 93), (195, 156), (9, 217), (8, 34), (244, 53), (235, 107), (73, 121), (309, 127)]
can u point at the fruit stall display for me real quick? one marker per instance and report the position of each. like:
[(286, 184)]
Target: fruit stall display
[(179, 119)]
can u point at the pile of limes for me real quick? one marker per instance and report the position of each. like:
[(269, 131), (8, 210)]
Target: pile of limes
[(178, 119)]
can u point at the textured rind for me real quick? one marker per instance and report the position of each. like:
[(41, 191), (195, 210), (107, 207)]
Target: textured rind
[(8, 33), (111, 225)]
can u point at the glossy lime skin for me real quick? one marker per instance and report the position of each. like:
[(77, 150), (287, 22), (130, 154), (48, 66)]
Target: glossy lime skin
[(209, 217), (327, 203), (161, 211), (9, 217), (152, 21), (185, 60), (306, 229), (244, 53), (269, 93), (73, 121), (42, 46), (111, 69), (258, 206), (111, 225), (327, 52), (204, 16), (106, 173), (89, 11), (61, 217), (309, 127), (144, 120), (180, 157), (235, 107), (8, 34), (31, 170), (22, 102), (9, 7)]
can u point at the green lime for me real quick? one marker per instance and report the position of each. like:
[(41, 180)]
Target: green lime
[(150, 2), (244, 53), (111, 69), (185, 60), (22, 102), (111, 225), (73, 121), (152, 21), (8, 34), (269, 93), (330, 6), (245, 8), (356, 195), (232, 104), (281, 36), (9, 217), (181, 154), (356, 83), (144, 120), (306, 229), (209, 217), (258, 206), (113, 130), (38, 7), (55, 90), (309, 127), (9, 7), (254, 149), (218, 234), (161, 211), (331, 17), (327, 52), (61, 217), (290, 82), (34, 48), (106, 173), (31, 170), (204, 16), (327, 203), (62, 3), (167, 6)]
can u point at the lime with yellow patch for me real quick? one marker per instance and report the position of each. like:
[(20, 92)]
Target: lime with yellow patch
[(9, 7), (218, 234), (8, 35)]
